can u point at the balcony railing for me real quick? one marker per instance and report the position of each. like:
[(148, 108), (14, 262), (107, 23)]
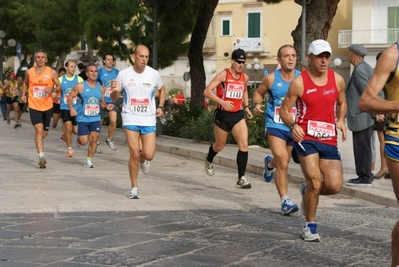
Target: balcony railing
[(369, 38), (253, 45)]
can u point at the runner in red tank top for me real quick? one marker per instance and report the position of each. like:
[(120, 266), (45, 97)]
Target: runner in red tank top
[(232, 104), (319, 94)]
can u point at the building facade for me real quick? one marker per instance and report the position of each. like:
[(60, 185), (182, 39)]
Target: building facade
[(260, 29)]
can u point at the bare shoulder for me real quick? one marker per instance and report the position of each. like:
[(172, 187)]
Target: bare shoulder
[(268, 79), (338, 77)]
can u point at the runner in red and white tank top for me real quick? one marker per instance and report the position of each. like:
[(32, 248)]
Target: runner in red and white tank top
[(232, 106), (319, 94), (316, 109), (232, 90)]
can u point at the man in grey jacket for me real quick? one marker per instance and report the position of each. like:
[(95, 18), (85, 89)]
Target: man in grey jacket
[(360, 123)]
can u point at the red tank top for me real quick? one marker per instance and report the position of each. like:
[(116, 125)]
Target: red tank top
[(232, 90), (317, 109)]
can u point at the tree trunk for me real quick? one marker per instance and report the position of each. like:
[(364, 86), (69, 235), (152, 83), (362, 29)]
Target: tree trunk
[(319, 16), (195, 58), (90, 54), (60, 61)]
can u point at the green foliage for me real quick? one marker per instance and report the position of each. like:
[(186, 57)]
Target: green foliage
[(256, 128), (174, 91), (51, 25), (109, 24), (6, 72)]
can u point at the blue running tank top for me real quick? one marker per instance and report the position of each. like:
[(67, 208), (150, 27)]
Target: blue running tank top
[(66, 87), (105, 77), (89, 111), (276, 96)]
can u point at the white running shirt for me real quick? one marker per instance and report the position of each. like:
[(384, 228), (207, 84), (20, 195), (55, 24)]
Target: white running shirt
[(138, 91)]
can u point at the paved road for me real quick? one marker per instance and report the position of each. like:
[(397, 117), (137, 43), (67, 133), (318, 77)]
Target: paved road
[(67, 215)]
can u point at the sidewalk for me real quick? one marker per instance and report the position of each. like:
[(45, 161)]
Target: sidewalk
[(380, 192)]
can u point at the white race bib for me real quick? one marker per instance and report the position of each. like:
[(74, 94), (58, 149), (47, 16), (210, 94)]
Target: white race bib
[(107, 92), (235, 91), (91, 109), (39, 92), (66, 99), (140, 105), (321, 129), (277, 118)]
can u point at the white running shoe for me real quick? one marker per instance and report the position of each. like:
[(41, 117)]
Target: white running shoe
[(110, 144), (98, 150), (88, 164), (145, 166), (134, 193), (208, 166), (309, 233)]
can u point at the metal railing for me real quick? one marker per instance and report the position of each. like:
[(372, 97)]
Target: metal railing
[(380, 38)]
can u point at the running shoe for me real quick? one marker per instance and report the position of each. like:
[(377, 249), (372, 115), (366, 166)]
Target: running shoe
[(208, 166), (42, 162), (267, 172), (16, 126), (309, 233), (98, 150), (88, 164), (110, 144), (145, 166), (134, 193), (54, 125), (62, 138), (8, 121), (287, 207), (242, 183), (70, 153)]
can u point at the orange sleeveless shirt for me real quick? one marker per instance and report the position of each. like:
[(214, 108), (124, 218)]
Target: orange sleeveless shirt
[(39, 99)]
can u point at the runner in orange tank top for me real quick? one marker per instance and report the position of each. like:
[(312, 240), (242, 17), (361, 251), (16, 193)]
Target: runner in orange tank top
[(41, 81)]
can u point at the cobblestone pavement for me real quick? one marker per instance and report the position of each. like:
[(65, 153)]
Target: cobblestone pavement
[(67, 215)]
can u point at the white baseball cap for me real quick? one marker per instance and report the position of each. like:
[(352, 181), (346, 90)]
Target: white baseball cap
[(319, 46)]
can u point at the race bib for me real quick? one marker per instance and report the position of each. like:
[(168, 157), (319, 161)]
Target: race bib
[(39, 92), (107, 92), (321, 130), (15, 91), (235, 91), (277, 118), (66, 99), (140, 105), (91, 110)]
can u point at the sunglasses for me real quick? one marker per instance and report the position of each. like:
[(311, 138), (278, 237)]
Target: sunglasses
[(239, 61)]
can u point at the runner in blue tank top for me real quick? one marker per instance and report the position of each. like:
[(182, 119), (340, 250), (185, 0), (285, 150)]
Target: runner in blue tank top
[(278, 134), (91, 95), (107, 74), (68, 81)]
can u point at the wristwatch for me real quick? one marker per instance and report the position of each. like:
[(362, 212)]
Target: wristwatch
[(161, 108), (292, 126)]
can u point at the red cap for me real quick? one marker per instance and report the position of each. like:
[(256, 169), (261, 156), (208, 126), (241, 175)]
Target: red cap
[(12, 75)]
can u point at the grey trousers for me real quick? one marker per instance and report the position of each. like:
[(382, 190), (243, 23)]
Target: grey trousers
[(363, 154)]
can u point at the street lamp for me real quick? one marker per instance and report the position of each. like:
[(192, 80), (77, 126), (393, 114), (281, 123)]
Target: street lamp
[(303, 3), (10, 43), (155, 5), (256, 66)]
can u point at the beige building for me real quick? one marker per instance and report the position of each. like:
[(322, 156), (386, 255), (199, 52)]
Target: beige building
[(260, 29)]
